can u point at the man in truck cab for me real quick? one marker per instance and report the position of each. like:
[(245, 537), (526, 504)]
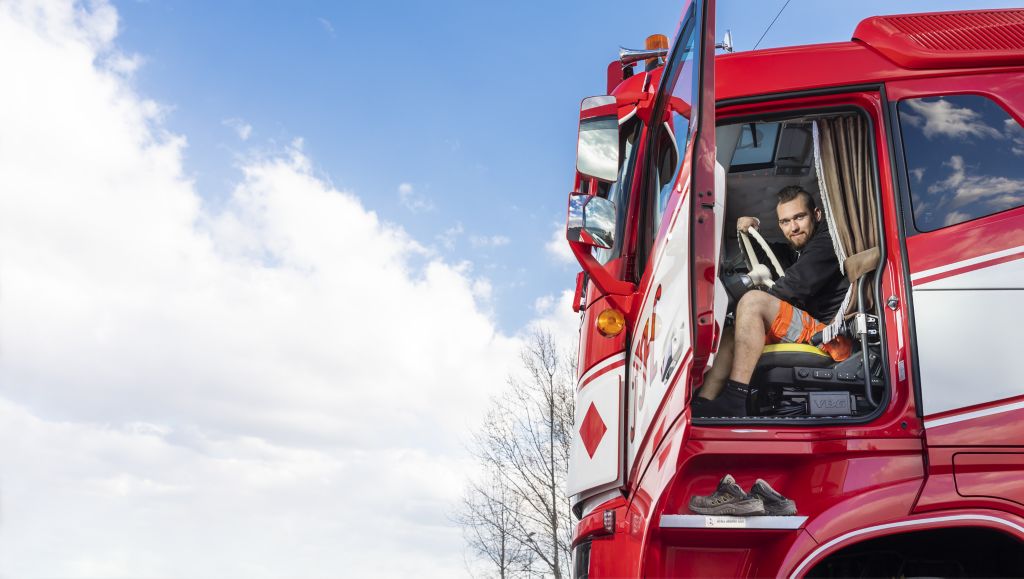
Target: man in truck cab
[(793, 310)]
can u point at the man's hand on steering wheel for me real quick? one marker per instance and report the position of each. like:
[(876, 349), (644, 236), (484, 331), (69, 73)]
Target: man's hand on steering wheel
[(760, 275), (745, 223)]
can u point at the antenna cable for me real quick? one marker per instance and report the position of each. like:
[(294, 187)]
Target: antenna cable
[(770, 25)]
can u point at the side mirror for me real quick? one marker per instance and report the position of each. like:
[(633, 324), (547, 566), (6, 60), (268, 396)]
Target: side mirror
[(591, 224), (597, 150), (591, 221)]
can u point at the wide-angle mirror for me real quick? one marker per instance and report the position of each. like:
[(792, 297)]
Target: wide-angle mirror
[(591, 221)]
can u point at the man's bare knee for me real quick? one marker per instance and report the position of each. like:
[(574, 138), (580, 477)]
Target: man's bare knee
[(757, 304), (753, 301)]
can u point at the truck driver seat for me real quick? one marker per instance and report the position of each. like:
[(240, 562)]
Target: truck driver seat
[(802, 380)]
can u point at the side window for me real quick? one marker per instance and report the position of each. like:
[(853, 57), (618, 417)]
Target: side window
[(670, 139), (965, 159), (665, 169)]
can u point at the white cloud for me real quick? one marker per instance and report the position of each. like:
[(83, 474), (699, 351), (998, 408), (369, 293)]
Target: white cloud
[(941, 117), (964, 194), (124, 64), (955, 178), (273, 390), (954, 217), (482, 288), (488, 240), (997, 193), (558, 318), (327, 26), (1015, 133), (542, 305), (241, 128), (413, 200), (450, 236), (558, 247)]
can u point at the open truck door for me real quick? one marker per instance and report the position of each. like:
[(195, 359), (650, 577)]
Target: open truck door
[(673, 328), (661, 283)]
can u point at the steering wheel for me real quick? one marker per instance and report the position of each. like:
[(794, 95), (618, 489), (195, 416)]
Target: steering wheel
[(760, 274)]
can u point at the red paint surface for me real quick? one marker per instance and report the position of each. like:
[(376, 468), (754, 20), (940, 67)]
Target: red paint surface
[(997, 429), (990, 474)]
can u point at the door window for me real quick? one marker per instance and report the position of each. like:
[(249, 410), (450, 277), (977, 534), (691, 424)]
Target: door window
[(670, 137)]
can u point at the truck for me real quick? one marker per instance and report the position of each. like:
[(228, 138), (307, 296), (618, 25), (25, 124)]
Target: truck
[(905, 459)]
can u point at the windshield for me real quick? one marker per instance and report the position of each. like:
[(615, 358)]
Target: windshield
[(618, 192)]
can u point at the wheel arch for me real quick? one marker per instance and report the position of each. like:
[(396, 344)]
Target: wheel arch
[(990, 520)]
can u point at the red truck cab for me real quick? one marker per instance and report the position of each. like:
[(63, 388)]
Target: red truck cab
[(907, 458)]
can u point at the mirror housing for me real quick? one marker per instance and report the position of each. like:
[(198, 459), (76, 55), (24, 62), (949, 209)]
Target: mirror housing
[(597, 148)]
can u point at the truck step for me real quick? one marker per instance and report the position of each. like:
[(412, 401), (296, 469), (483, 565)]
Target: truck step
[(790, 522)]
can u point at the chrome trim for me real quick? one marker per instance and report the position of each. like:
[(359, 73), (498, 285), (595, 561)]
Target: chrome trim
[(628, 56)]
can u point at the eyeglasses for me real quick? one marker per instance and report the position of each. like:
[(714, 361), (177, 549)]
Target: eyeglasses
[(784, 223)]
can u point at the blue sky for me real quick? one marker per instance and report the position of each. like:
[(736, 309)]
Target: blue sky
[(263, 265), (470, 104)]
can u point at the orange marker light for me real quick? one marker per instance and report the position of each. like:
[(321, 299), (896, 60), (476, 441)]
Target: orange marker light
[(656, 41), (610, 323)]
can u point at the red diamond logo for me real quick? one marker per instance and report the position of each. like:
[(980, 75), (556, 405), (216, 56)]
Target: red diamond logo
[(592, 430)]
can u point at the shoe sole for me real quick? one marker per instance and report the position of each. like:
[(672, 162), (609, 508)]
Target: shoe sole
[(747, 507)]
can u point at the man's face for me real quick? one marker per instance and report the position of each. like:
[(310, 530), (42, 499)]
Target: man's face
[(797, 221)]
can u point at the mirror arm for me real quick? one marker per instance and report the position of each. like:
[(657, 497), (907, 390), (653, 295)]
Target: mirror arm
[(602, 279)]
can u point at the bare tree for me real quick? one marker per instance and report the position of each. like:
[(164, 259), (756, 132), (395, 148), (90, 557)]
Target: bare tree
[(524, 442), (489, 516)]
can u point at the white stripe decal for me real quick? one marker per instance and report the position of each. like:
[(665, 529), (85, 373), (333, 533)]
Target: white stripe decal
[(915, 523), (965, 263), (628, 116), (973, 415), (610, 360)]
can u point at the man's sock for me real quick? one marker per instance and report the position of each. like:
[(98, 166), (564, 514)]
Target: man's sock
[(733, 399), (703, 408), (731, 402)]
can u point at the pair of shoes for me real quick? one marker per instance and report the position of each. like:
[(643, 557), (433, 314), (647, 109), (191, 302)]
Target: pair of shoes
[(730, 499)]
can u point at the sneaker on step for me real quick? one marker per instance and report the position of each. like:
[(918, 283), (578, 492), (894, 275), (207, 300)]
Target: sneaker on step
[(774, 503), (728, 499)]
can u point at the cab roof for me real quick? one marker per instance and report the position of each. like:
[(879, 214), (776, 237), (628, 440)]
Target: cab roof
[(882, 48)]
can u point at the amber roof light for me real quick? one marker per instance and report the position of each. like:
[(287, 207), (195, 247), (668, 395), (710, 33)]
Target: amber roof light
[(656, 41)]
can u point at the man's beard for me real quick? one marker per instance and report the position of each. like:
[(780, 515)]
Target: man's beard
[(806, 237)]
